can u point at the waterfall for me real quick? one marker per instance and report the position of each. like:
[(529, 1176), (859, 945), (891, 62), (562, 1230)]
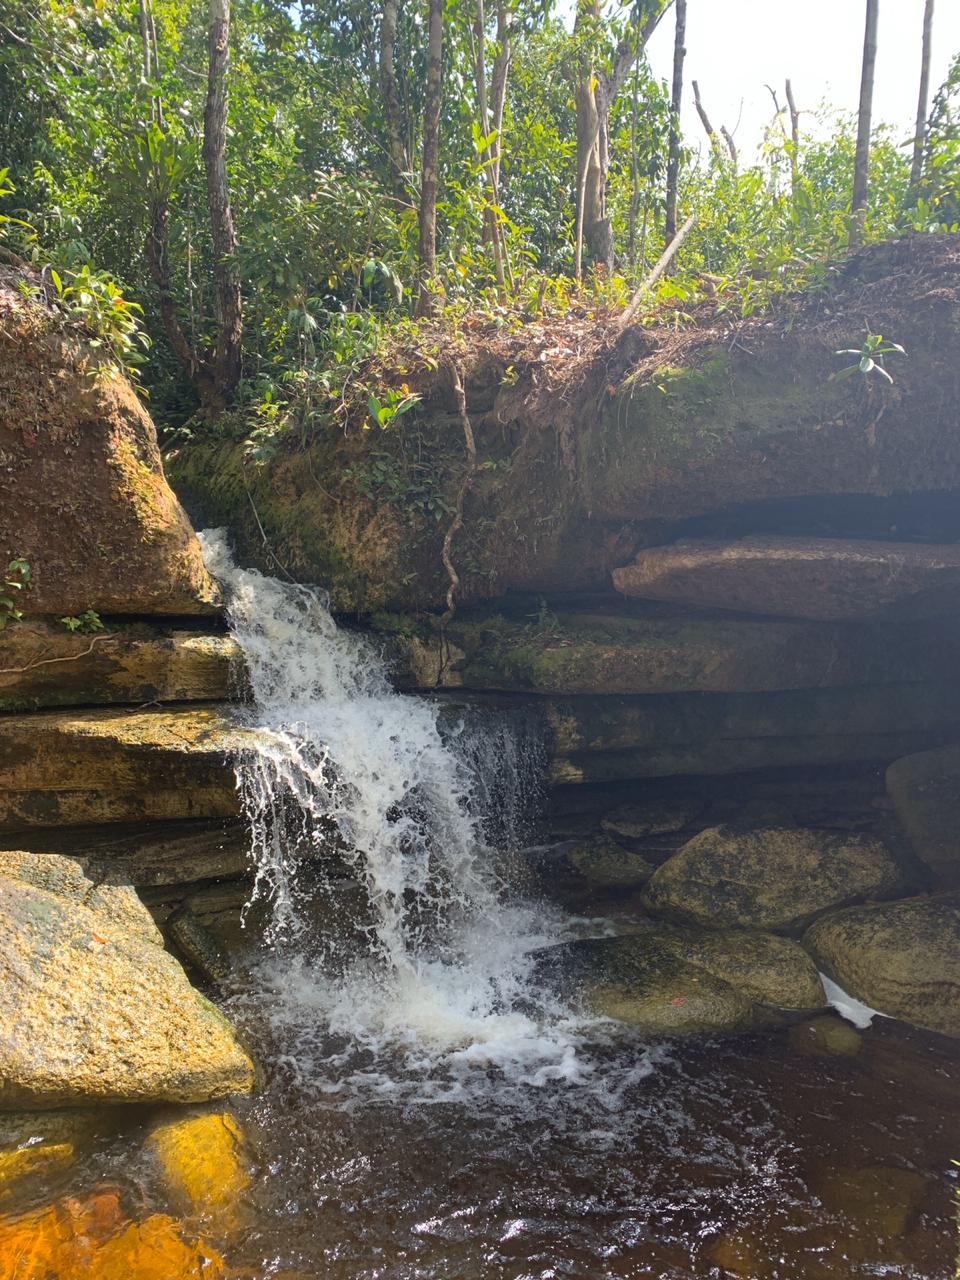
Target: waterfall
[(350, 774)]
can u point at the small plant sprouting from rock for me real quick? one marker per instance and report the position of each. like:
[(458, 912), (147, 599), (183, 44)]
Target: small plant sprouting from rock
[(84, 624), (16, 580), (870, 356)]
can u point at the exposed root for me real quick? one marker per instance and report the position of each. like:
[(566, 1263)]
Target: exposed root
[(465, 484), (47, 662)]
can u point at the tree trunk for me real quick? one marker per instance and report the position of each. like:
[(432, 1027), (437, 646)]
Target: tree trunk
[(429, 181), (676, 99), (794, 138), (498, 85), (491, 221), (393, 116), (861, 170), (227, 352), (920, 134)]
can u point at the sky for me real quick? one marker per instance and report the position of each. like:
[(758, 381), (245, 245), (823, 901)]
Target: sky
[(736, 47)]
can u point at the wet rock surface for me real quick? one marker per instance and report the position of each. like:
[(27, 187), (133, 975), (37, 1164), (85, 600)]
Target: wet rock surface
[(676, 981), (901, 958), (776, 878), (92, 1009)]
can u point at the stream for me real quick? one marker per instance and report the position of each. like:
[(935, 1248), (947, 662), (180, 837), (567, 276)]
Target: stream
[(429, 1112)]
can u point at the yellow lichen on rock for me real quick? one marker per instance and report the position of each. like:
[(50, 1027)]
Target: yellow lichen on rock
[(34, 1142), (204, 1168)]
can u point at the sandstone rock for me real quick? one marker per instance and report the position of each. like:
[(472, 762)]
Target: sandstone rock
[(44, 665), (203, 1165), (91, 1011), (197, 945), (652, 818), (35, 1142), (826, 1037), (925, 790), (826, 578), (604, 864), (777, 878), (670, 981), (878, 1199), (667, 652), (85, 499), (66, 767), (901, 958)]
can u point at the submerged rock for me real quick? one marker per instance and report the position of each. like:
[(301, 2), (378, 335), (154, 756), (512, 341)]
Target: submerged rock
[(827, 1037), (674, 981), (35, 1142), (92, 1009), (901, 958), (203, 1165), (925, 790), (44, 665), (823, 578), (85, 498), (604, 864), (64, 767), (778, 878)]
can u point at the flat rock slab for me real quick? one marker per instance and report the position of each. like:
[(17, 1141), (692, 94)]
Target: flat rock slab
[(44, 665), (901, 958), (93, 1010), (925, 790), (75, 767), (777, 878), (682, 981), (821, 578)]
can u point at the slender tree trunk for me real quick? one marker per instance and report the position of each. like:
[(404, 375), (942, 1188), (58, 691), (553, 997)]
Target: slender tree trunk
[(227, 351), (794, 138), (861, 170), (393, 116), (429, 181), (498, 84), (491, 220), (676, 99), (920, 133), (704, 118)]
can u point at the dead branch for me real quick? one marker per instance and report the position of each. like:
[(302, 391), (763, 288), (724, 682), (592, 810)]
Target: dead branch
[(665, 259)]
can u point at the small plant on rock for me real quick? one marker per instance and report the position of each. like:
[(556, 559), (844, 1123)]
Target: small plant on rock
[(870, 356), (84, 624), (16, 580)]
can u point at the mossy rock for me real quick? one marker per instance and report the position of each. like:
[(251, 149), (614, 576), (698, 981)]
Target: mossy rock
[(925, 790), (604, 864), (776, 878), (901, 958), (677, 982)]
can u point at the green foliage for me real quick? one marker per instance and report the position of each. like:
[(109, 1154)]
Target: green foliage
[(95, 302), (85, 624), (870, 356), (13, 583)]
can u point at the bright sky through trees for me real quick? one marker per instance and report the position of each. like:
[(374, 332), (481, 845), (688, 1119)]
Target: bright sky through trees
[(736, 47)]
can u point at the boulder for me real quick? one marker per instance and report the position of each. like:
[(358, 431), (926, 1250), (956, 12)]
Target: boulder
[(900, 958), (85, 498), (604, 864), (777, 878), (42, 664), (93, 1010), (675, 981), (827, 578), (925, 790), (203, 1165), (76, 767)]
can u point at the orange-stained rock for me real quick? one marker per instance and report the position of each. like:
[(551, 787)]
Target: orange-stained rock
[(90, 1239), (202, 1161)]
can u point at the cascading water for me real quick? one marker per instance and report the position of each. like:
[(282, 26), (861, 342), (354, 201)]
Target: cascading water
[(342, 758)]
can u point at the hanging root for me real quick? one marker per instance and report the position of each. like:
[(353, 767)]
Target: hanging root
[(465, 483)]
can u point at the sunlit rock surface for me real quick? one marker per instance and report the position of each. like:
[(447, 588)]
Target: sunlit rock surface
[(92, 1009), (42, 664), (203, 1165), (901, 958), (827, 578)]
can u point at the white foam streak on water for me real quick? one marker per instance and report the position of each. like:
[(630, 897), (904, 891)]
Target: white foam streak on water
[(446, 981)]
